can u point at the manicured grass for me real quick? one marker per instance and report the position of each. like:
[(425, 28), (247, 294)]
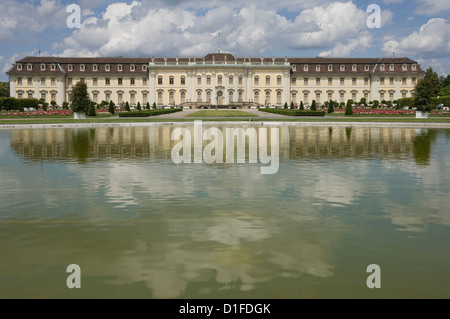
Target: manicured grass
[(221, 113), (231, 119)]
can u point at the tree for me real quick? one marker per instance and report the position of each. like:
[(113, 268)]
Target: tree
[(292, 105), (147, 106), (285, 105), (434, 79), (331, 107), (424, 91), (65, 105), (139, 107), (445, 91), (4, 89), (349, 108), (301, 106), (154, 105), (313, 106), (80, 97), (111, 107), (127, 107), (53, 103), (444, 81), (91, 111)]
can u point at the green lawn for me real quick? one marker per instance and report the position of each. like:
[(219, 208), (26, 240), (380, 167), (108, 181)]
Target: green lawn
[(221, 113)]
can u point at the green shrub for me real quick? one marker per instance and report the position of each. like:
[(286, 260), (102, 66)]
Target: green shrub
[(331, 107), (313, 106), (53, 103), (8, 104), (292, 105), (111, 107), (127, 107), (349, 108), (147, 106), (138, 107), (301, 106), (65, 105), (154, 105), (91, 111), (285, 105)]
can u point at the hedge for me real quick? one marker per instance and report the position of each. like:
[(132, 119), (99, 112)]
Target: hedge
[(294, 112), (147, 113), (409, 101), (13, 104)]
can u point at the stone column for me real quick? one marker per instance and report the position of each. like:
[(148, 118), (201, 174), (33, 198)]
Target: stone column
[(203, 86), (250, 86), (397, 88), (61, 91), (152, 88), (236, 80), (189, 86), (213, 97), (226, 95), (12, 86), (374, 89), (36, 87), (245, 87), (194, 86), (286, 87)]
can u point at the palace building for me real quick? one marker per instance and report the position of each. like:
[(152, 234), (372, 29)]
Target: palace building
[(217, 79)]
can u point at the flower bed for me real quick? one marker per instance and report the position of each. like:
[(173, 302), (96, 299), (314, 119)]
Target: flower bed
[(60, 113)]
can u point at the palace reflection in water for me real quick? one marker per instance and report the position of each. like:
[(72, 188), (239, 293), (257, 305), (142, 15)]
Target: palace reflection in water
[(139, 226)]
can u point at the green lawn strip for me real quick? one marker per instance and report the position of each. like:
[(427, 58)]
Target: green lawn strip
[(221, 113), (303, 119)]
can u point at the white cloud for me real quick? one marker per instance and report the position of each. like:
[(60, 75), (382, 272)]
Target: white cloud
[(139, 29), (432, 6), (362, 43), (431, 41), (437, 66)]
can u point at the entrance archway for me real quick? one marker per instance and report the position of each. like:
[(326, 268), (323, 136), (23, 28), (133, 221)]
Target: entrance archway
[(220, 98)]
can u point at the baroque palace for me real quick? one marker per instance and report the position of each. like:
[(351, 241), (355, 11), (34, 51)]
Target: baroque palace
[(217, 79)]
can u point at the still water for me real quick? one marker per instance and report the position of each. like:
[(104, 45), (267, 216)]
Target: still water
[(112, 201)]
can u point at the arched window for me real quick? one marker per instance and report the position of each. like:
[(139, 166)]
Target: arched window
[(199, 96), (171, 80), (160, 98), (256, 97), (208, 96), (256, 80), (267, 100), (268, 80), (219, 80), (279, 80), (241, 99), (278, 97), (171, 98), (231, 96)]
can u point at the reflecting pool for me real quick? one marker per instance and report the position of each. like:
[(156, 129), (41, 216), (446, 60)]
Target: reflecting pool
[(112, 201)]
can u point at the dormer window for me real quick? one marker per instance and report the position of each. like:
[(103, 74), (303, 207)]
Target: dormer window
[(132, 68), (95, 67), (391, 67), (330, 67), (382, 67), (318, 68), (42, 67), (53, 67), (404, 67), (414, 67), (342, 68), (70, 67), (294, 68), (107, 68), (366, 68), (120, 68), (305, 67), (144, 67), (29, 67), (19, 67), (82, 68), (354, 68)]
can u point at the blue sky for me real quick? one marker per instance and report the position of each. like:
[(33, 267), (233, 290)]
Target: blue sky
[(418, 29)]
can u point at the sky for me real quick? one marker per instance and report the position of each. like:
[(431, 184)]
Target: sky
[(418, 29)]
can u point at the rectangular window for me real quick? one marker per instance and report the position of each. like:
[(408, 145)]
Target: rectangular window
[(53, 97), (171, 80), (69, 81), (240, 80), (82, 80), (119, 81), (256, 80), (305, 81), (219, 80), (183, 80), (144, 98), (353, 81), (95, 97), (317, 81), (53, 81), (108, 97), (20, 95), (107, 81), (382, 95), (330, 96), (404, 80), (230, 80), (366, 81), (19, 81), (279, 80), (294, 81), (208, 80), (43, 81), (199, 80), (132, 81), (330, 81), (342, 81), (403, 95), (391, 81), (381, 81), (144, 81), (94, 81), (414, 80), (30, 81), (160, 80)]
